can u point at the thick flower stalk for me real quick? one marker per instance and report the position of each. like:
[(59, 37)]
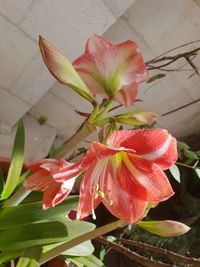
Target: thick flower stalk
[(125, 174), (113, 71)]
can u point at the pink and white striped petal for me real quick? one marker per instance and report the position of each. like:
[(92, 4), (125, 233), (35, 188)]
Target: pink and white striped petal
[(149, 176), (135, 69), (57, 193), (98, 151), (119, 200), (151, 144), (97, 45)]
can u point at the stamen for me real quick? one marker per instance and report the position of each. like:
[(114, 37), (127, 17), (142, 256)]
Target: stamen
[(101, 194), (93, 214), (110, 202)]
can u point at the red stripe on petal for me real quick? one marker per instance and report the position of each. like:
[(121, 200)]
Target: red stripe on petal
[(120, 202), (150, 176), (39, 181), (150, 143), (99, 151)]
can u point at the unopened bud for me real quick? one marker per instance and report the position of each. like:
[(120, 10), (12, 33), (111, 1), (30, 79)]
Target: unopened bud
[(165, 228)]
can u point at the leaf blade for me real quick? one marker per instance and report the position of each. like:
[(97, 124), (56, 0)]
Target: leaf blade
[(16, 164)]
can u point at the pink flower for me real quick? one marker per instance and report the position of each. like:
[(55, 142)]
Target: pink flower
[(55, 178), (127, 173), (112, 70)]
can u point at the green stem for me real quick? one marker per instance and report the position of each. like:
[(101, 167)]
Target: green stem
[(84, 130), (184, 165), (80, 239), (105, 110), (17, 198)]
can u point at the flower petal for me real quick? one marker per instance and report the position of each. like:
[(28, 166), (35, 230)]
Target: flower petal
[(126, 96), (34, 166), (169, 157), (86, 68), (87, 202), (62, 69), (39, 181), (151, 144), (54, 192), (135, 69), (150, 176), (120, 202), (57, 193), (97, 45), (68, 172), (99, 151)]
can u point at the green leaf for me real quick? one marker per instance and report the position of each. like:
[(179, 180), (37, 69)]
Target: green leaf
[(190, 154), (16, 164), (84, 249), (31, 235), (198, 153), (30, 257), (197, 171), (1, 180), (182, 145), (102, 253), (75, 229), (42, 234), (8, 256), (175, 173), (33, 212), (111, 238), (88, 261), (156, 77)]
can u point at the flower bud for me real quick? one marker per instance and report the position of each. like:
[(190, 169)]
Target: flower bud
[(165, 228)]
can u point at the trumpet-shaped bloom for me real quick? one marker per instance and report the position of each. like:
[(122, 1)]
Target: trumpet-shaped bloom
[(127, 173), (112, 70), (50, 177)]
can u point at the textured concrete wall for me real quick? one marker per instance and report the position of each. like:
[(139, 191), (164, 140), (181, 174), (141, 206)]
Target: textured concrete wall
[(27, 87)]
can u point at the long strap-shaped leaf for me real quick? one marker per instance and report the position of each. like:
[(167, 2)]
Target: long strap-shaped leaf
[(16, 162)]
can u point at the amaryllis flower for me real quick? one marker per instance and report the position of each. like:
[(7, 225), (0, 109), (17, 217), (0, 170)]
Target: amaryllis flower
[(127, 173), (50, 177), (112, 70)]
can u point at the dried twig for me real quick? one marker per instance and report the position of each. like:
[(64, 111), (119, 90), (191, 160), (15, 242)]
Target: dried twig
[(132, 255), (170, 59), (181, 107), (164, 252)]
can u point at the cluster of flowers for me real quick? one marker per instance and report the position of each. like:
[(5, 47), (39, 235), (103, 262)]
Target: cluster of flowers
[(126, 172)]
